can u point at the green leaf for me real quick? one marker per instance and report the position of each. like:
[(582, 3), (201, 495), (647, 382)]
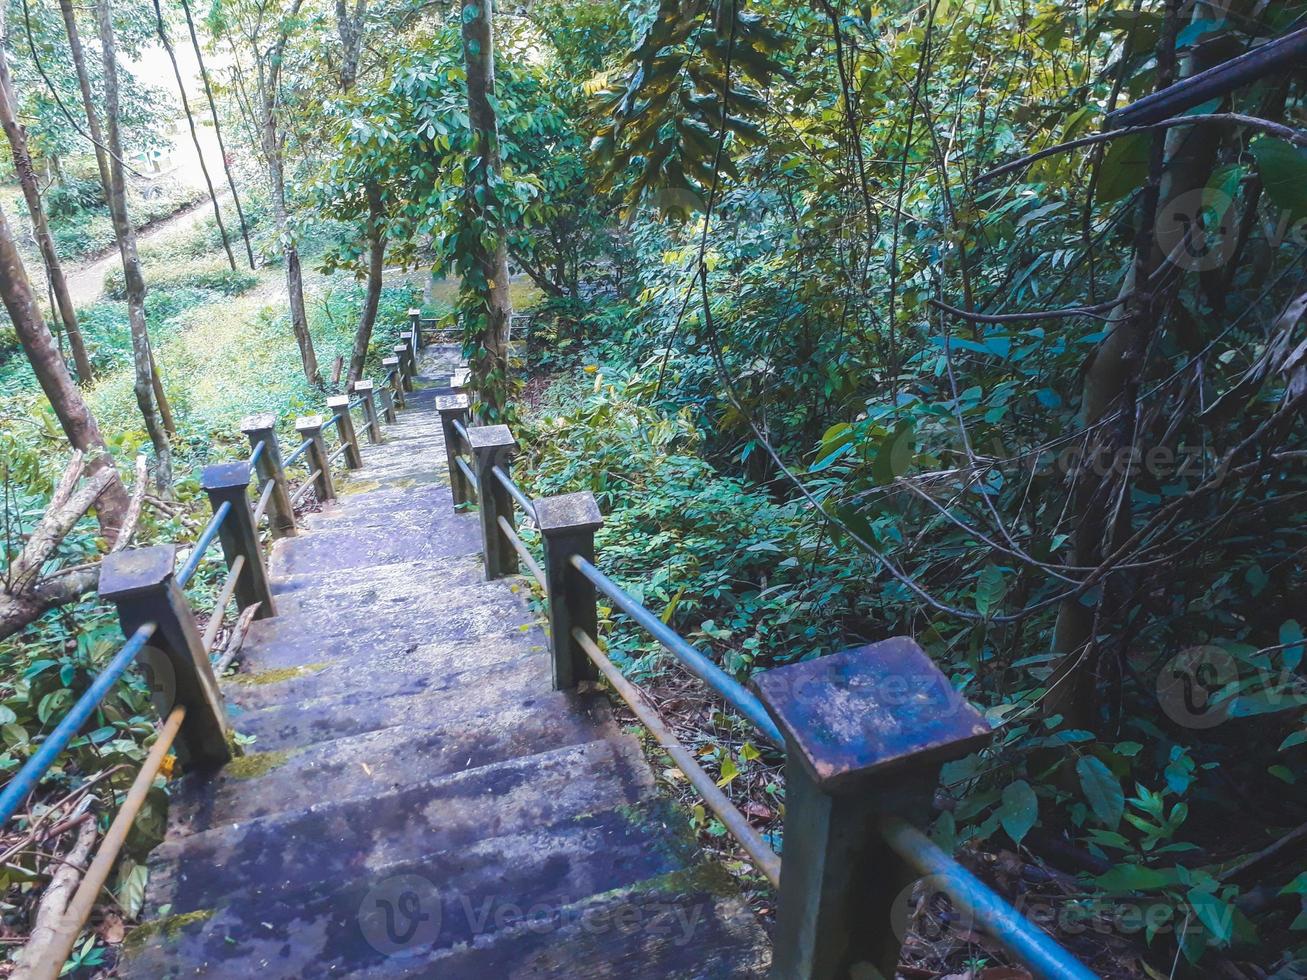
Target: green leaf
[(729, 771), (1283, 169), (1217, 915), (1019, 810), (1102, 790), (990, 588), (1124, 166), (1133, 878), (1291, 633), (7, 715)]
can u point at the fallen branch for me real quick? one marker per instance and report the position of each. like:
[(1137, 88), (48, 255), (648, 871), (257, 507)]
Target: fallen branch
[(54, 901), (237, 638)]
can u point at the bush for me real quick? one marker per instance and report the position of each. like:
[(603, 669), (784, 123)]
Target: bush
[(74, 197), (213, 275)]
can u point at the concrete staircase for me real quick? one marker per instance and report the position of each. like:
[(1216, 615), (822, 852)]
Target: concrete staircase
[(417, 802)]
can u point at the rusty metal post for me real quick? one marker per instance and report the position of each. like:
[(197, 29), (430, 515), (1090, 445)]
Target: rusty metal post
[(567, 526), (866, 732), (140, 582), (339, 405), (310, 427), (364, 389), (454, 408), (494, 445), (229, 483), (262, 428)]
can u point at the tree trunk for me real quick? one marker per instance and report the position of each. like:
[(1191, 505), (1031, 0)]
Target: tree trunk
[(217, 130), (75, 418), (372, 297), (485, 281), (269, 78), (54, 272), (147, 382), (190, 121), (1183, 162)]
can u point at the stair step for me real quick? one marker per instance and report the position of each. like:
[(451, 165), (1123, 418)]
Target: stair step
[(325, 590), (362, 547), (335, 839), (269, 781), (495, 887)]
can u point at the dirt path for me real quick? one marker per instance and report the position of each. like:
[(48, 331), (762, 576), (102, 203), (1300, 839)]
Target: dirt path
[(86, 279)]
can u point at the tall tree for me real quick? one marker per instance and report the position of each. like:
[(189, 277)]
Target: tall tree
[(190, 122), (268, 75), (217, 130), (351, 27), (484, 300), (147, 380), (54, 272), (108, 157), (70, 408)]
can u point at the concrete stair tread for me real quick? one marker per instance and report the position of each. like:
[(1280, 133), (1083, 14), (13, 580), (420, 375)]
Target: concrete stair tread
[(270, 780), (336, 838)]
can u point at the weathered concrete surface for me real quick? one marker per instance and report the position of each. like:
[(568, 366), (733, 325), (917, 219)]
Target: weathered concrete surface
[(416, 801)]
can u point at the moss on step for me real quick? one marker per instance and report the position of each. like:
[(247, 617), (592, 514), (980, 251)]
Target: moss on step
[(279, 675), (255, 764), (166, 927), (357, 486)]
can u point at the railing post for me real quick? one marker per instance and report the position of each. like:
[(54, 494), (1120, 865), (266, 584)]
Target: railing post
[(493, 445), (365, 390), (262, 428), (387, 405), (393, 368), (229, 483), (567, 526), (139, 581), (406, 372), (866, 732), (415, 326), (339, 405), (310, 427), (454, 408)]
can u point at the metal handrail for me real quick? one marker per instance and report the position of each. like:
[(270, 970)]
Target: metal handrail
[(303, 448), (1026, 941), (264, 499), (203, 542), (339, 451), (258, 451), (220, 604), (25, 780), (766, 860), (514, 491), (522, 552), (355, 403), (461, 429), (467, 471), (728, 687), (302, 492)]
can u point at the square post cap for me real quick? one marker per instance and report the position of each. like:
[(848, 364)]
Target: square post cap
[(333, 401), (222, 476), (870, 710), (363, 386), (308, 423), (390, 361), (452, 403), (491, 437), (414, 311), (259, 422), (135, 570), (400, 348), (568, 512)]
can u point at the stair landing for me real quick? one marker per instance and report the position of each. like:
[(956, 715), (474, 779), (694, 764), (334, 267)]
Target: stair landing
[(417, 802)]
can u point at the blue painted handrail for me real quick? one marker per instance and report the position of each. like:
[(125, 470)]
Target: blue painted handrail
[(202, 545), (303, 448), (723, 683), (1026, 941), (254, 456), (16, 790)]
